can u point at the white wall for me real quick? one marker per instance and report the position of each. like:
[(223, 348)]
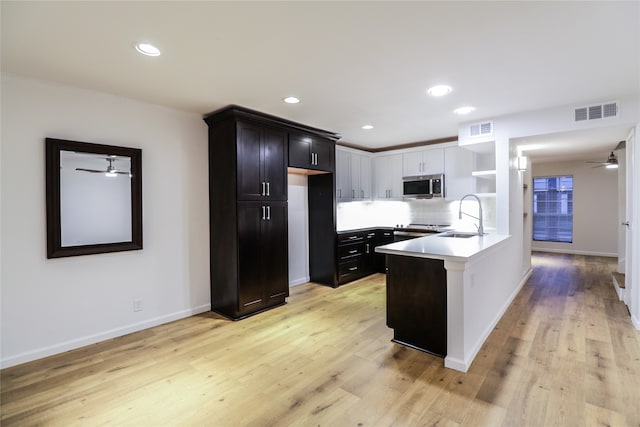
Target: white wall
[(52, 305), (595, 208), (298, 219)]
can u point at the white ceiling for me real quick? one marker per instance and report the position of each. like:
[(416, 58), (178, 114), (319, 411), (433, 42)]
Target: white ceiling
[(351, 63)]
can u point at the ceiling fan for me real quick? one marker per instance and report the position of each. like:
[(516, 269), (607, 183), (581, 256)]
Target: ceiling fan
[(111, 171), (611, 163)]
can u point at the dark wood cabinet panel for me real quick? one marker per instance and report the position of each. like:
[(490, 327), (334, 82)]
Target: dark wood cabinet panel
[(262, 269), (262, 172), (311, 152), (322, 229), (274, 163), (274, 251), (417, 302), (363, 244), (248, 159)]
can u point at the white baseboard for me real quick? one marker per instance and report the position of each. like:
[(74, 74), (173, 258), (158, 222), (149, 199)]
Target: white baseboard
[(619, 290), (298, 281), (101, 336), (574, 252), (636, 322), (464, 365)]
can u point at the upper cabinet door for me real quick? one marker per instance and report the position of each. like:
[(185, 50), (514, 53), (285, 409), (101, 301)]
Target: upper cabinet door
[(300, 151), (343, 176), (262, 162), (427, 162), (311, 152), (274, 163), (249, 157), (387, 176), (324, 152)]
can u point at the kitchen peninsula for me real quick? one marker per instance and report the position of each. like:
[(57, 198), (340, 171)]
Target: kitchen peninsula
[(445, 293)]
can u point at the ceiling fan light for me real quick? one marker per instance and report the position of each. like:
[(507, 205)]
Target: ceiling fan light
[(612, 166), (111, 174)]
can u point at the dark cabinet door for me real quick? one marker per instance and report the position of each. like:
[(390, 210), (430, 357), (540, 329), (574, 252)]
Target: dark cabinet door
[(274, 163), (310, 152), (274, 246), (262, 162), (262, 253), (250, 280), (369, 266), (300, 151), (249, 158), (325, 155)]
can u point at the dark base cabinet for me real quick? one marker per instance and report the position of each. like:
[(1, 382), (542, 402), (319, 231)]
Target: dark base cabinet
[(417, 303), (356, 256)]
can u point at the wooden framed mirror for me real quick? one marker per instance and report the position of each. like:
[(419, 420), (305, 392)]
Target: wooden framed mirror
[(94, 198)]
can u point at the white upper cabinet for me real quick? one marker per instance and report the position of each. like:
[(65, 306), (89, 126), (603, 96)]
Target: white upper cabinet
[(387, 177), (458, 165), (343, 175), (426, 162), (365, 177), (353, 176)]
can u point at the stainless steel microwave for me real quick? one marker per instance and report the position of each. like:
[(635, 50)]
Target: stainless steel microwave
[(423, 187)]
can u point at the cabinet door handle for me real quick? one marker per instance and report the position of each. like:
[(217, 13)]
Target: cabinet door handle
[(268, 188), (316, 159), (362, 193), (353, 193), (367, 248), (353, 268), (263, 189), (353, 237), (625, 223), (264, 213), (268, 213)]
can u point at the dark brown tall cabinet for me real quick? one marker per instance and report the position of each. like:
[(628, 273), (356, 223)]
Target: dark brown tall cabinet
[(248, 162)]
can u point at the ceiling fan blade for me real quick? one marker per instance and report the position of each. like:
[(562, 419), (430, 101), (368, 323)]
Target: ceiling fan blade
[(90, 170)]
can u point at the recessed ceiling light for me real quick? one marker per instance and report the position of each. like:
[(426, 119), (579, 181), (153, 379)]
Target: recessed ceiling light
[(439, 90), (464, 110), (291, 100), (147, 49), (367, 127)]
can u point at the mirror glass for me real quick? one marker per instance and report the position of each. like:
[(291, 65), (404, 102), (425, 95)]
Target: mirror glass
[(94, 198)]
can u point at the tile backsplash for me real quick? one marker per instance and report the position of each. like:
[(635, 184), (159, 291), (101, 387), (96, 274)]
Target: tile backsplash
[(353, 215)]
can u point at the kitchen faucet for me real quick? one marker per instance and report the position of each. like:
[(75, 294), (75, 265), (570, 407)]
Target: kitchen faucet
[(479, 217)]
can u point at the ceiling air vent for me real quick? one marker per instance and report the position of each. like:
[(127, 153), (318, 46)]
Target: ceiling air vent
[(481, 129), (595, 112)]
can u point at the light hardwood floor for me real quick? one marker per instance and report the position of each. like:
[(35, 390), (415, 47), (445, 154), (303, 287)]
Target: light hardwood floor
[(565, 354)]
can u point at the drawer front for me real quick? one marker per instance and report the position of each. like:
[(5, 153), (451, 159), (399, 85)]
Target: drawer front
[(349, 238), (347, 270), (347, 252), (385, 236), (370, 236)]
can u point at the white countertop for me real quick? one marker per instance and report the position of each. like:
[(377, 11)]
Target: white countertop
[(438, 247)]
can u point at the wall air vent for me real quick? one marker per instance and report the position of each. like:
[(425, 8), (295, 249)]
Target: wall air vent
[(595, 112), (481, 129)]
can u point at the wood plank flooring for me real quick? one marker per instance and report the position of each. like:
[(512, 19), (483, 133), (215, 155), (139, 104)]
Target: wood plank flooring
[(564, 354)]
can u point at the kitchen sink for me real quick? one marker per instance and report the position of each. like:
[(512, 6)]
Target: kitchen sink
[(458, 234)]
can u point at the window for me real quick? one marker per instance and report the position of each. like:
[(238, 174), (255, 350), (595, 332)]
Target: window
[(553, 209)]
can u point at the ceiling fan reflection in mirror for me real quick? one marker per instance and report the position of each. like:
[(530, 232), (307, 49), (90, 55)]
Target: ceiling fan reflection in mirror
[(611, 163), (111, 170)]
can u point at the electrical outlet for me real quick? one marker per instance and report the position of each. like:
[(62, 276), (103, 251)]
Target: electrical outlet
[(137, 305)]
